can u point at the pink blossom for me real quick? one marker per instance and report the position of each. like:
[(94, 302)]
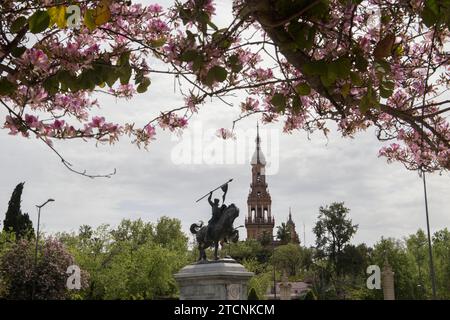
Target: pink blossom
[(150, 131), (32, 121), (97, 122), (224, 133)]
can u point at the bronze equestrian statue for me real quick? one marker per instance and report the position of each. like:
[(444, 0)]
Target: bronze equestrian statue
[(219, 227)]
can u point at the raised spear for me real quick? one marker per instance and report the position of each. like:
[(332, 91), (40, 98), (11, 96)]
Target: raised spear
[(221, 186)]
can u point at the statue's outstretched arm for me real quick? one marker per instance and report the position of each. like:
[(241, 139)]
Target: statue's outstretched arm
[(209, 199)]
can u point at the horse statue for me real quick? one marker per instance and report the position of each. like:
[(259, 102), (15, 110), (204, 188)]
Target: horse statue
[(221, 230)]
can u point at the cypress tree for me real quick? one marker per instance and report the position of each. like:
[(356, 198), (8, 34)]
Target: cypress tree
[(15, 221), (252, 295)]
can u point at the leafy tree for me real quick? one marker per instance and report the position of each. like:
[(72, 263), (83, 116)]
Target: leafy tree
[(7, 240), (417, 246), (250, 249), (266, 238), (333, 231), (15, 220), (144, 273), (252, 295), (17, 270), (134, 232), (92, 249), (168, 234), (291, 258), (284, 233), (261, 282), (354, 261), (309, 295), (403, 266), (135, 260), (441, 250), (375, 68)]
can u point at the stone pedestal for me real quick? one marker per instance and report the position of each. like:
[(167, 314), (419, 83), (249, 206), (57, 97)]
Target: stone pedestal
[(285, 288), (223, 279)]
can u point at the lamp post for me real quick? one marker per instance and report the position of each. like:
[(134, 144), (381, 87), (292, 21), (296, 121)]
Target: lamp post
[(273, 265), (37, 242), (430, 248)]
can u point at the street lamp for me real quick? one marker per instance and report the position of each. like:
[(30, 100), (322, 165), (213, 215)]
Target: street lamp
[(37, 242), (430, 248), (273, 265)]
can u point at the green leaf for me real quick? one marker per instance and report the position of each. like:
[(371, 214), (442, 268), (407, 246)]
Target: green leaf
[(303, 89), (212, 25), (302, 34), (124, 59), (197, 63), (39, 21), (235, 64), (112, 77), (18, 24), (87, 80), (124, 71), (7, 87), (89, 20), (157, 43), (296, 104), (18, 51), (58, 15), (383, 66), (361, 63), (51, 85), (368, 101), (385, 93), (356, 79), (279, 101), (364, 104), (189, 55), (142, 87), (318, 67), (67, 80), (328, 80), (387, 89), (341, 67), (102, 13), (428, 17), (125, 74), (433, 6), (217, 73), (345, 90)]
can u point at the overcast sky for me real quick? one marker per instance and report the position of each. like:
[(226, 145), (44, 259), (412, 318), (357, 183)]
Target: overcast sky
[(385, 199)]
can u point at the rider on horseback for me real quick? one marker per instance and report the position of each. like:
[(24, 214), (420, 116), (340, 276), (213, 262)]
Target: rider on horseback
[(216, 213), (219, 228)]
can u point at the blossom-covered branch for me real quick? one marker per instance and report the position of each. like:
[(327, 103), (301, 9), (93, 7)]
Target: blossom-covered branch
[(308, 63)]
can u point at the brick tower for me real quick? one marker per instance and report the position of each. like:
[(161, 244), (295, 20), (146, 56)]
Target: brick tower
[(259, 219)]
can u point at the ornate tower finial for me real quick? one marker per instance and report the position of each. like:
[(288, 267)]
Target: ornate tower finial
[(258, 140), (258, 156)]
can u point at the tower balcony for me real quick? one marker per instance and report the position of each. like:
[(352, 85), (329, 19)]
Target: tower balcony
[(260, 220)]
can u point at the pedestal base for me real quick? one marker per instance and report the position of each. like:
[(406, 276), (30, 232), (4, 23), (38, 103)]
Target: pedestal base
[(223, 279)]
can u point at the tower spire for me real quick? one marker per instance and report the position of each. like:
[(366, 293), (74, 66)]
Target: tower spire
[(258, 156), (259, 219), (257, 142)]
